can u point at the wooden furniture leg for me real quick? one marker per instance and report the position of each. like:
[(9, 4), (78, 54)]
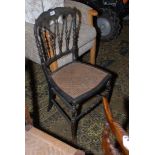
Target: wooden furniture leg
[(93, 53), (92, 13), (115, 129)]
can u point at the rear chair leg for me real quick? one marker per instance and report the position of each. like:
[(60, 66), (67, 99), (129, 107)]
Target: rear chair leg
[(51, 97), (74, 125)]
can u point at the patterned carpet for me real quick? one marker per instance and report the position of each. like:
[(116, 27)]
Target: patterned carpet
[(112, 56)]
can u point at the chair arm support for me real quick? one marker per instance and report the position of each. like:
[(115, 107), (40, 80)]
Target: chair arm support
[(91, 13)]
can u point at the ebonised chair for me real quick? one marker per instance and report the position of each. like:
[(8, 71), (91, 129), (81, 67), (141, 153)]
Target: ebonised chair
[(74, 82)]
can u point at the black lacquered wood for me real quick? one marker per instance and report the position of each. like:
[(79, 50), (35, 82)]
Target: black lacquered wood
[(56, 31), (55, 28)]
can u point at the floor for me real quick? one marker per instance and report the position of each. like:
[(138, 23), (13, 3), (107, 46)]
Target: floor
[(114, 56)]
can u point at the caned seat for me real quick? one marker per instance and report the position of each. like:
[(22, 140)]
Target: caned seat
[(74, 82), (78, 81)]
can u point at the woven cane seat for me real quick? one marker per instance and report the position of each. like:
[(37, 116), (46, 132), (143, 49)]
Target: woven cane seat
[(77, 78)]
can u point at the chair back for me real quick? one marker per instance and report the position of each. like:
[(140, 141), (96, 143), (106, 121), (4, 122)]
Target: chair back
[(56, 33)]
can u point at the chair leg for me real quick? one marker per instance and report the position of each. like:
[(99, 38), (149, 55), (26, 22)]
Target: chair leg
[(50, 105), (74, 125), (74, 131), (51, 97), (109, 90), (93, 53)]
